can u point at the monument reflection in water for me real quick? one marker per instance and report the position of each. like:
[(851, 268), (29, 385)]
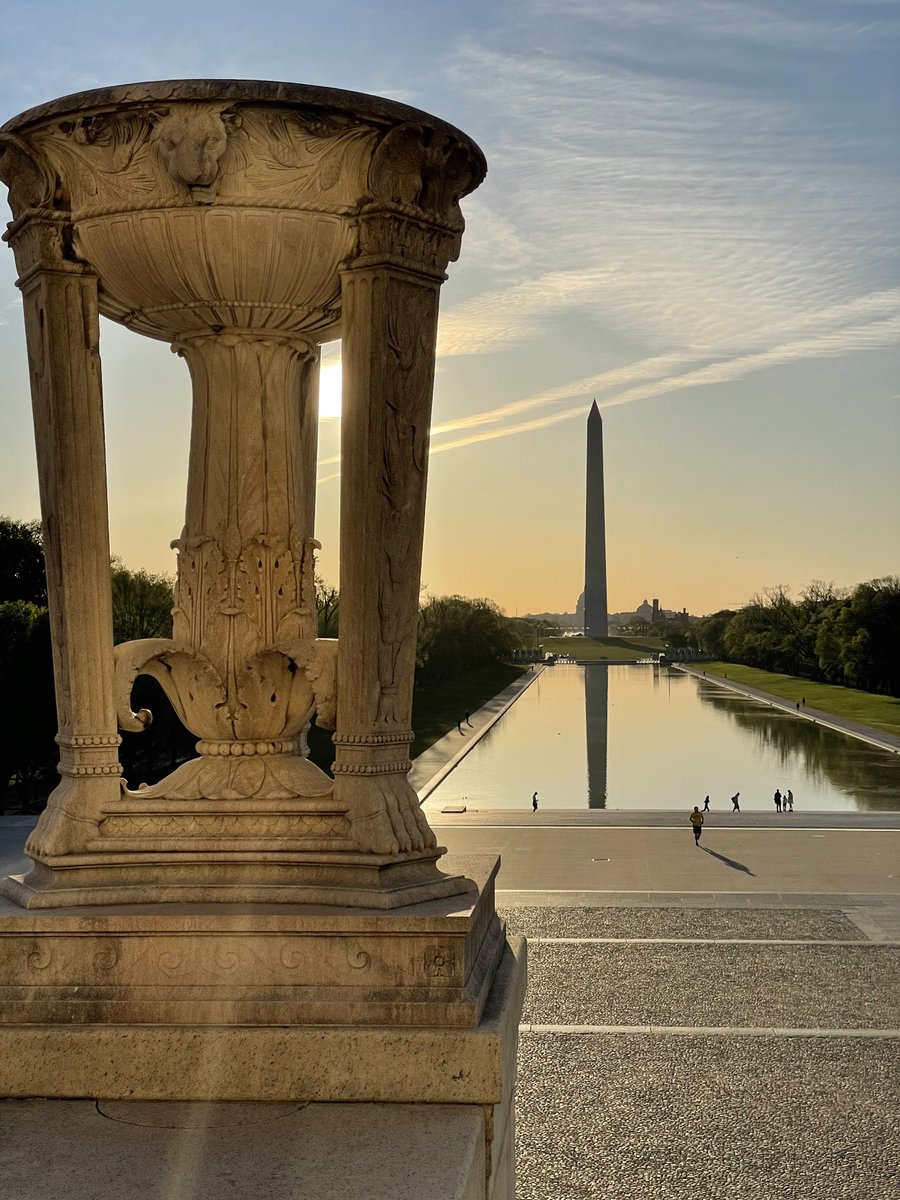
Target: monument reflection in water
[(640, 737), (596, 722)]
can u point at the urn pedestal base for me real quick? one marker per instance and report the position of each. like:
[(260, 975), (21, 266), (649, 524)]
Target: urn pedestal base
[(273, 1003), (143, 849), (266, 876), (252, 964)]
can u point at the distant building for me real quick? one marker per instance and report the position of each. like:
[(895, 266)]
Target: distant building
[(650, 613), (644, 611)]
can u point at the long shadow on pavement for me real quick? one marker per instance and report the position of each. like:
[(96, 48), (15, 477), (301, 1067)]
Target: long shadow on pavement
[(729, 862)]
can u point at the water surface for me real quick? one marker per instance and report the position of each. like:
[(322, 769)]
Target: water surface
[(643, 737)]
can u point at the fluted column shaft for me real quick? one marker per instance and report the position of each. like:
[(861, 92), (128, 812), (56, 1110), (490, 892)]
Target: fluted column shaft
[(389, 329), (62, 332)]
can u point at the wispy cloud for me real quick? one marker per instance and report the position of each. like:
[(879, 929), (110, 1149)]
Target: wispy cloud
[(865, 322), (859, 337), (648, 368), (17, 303), (685, 211), (662, 378), (719, 208), (712, 209)]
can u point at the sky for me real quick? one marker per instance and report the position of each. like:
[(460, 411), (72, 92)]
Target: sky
[(691, 214)]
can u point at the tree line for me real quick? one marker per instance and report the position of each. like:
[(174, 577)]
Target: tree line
[(455, 635), (847, 636), (142, 608)]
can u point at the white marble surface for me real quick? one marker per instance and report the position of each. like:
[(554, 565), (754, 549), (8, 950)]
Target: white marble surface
[(81, 1150)]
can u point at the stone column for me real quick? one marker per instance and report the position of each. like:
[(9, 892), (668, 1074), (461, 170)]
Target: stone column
[(62, 334), (244, 561), (239, 666), (389, 328)]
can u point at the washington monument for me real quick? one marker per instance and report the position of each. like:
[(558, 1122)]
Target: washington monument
[(595, 607)]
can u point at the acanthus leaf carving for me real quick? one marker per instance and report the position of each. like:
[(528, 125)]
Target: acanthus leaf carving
[(316, 659), (27, 174), (194, 687), (424, 174), (319, 157), (271, 777)]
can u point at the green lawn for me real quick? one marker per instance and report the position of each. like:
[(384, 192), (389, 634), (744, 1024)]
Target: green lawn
[(616, 649), (436, 710), (880, 712)]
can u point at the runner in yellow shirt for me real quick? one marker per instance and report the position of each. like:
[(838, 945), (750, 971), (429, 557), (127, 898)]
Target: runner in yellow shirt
[(697, 822)]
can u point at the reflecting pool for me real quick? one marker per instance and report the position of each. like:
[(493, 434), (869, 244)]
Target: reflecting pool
[(644, 737)]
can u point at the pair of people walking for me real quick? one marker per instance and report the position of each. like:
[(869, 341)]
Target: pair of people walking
[(735, 803)]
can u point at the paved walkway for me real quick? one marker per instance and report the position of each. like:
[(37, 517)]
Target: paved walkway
[(702, 1023)]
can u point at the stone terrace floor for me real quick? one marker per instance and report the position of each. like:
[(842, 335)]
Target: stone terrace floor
[(703, 1024), (719, 1023)]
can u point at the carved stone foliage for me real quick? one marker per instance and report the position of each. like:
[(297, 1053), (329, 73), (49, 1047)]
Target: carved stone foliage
[(439, 962), (423, 173), (225, 826), (234, 604), (269, 697), (200, 174), (31, 181)]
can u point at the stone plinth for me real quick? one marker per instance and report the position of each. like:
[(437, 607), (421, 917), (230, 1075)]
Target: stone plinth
[(429, 964), (335, 1064), (434, 1024)]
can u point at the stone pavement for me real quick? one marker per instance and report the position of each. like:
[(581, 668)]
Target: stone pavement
[(707, 1023), (703, 1023)]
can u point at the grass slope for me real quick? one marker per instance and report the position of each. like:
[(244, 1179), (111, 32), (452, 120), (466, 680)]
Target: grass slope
[(879, 712), (436, 710), (615, 649)]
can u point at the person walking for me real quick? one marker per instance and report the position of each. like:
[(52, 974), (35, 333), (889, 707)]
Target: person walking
[(736, 802), (697, 822), (706, 804), (777, 800), (534, 803)]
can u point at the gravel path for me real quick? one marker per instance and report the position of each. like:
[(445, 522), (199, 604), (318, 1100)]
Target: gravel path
[(619, 1117), (681, 923), (698, 1116), (846, 987)]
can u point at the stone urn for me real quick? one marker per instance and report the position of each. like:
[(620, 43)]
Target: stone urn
[(244, 223)]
